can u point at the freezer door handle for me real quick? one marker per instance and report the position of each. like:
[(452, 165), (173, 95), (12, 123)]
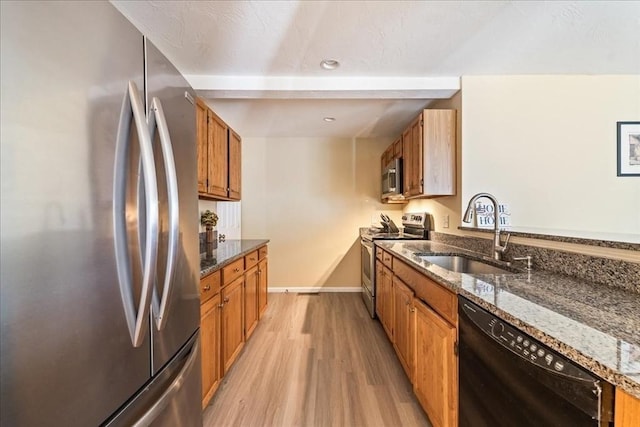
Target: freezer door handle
[(157, 120), (133, 108), (171, 390)]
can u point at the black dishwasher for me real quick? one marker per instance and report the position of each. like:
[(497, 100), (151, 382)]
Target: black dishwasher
[(508, 378)]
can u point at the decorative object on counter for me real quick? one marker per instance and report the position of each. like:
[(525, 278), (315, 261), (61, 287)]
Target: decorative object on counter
[(483, 216), (628, 148), (498, 248), (209, 220)]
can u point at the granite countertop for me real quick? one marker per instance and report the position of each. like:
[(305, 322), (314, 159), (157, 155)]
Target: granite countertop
[(596, 326), (226, 253)]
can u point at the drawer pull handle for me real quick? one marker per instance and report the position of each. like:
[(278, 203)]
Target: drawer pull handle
[(206, 288)]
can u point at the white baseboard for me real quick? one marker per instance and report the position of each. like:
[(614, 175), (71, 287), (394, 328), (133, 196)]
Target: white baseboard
[(315, 289)]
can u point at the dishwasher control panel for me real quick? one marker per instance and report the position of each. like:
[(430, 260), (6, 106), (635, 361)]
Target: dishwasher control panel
[(520, 343)]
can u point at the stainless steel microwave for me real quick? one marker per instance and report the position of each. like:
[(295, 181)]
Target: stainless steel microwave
[(392, 180)]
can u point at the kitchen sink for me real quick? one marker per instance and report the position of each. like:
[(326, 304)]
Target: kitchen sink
[(460, 264)]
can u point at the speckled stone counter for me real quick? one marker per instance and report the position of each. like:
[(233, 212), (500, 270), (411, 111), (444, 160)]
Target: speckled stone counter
[(226, 253), (596, 326)]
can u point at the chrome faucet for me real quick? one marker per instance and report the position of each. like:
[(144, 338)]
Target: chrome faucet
[(498, 248)]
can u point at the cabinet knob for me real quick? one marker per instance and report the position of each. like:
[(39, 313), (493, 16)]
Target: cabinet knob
[(235, 270), (220, 305), (226, 300), (206, 288)]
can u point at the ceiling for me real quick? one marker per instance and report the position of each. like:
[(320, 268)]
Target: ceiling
[(257, 63)]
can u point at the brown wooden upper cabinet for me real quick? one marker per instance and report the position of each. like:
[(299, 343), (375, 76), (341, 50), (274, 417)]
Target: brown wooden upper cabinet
[(427, 148), (429, 155), (219, 151)]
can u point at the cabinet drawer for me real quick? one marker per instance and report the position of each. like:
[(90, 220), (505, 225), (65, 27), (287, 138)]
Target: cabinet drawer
[(440, 299), (209, 286), (232, 271), (386, 258), (379, 253), (262, 252), (250, 260)]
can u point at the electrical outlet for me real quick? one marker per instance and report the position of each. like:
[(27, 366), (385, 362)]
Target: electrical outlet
[(445, 222)]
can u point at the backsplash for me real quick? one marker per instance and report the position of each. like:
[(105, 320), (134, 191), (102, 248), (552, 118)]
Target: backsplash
[(604, 271)]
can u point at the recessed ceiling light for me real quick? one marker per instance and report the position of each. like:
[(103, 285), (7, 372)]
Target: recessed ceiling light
[(329, 64), (329, 119)]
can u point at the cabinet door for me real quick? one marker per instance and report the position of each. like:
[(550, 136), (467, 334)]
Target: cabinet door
[(384, 297), (387, 286), (407, 161), (436, 367), (627, 410), (416, 157), (232, 319), (210, 348), (404, 325), (202, 137), (250, 301), (218, 155), (397, 148), (263, 286), (439, 141), (379, 290), (235, 153)]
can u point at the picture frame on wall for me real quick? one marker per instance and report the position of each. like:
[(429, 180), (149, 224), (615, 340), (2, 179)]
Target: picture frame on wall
[(628, 148)]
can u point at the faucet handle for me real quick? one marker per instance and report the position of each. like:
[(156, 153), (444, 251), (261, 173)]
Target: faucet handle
[(527, 258), (506, 242)]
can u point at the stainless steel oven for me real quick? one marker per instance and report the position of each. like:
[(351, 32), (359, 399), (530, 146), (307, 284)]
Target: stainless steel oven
[(416, 227), (368, 267)]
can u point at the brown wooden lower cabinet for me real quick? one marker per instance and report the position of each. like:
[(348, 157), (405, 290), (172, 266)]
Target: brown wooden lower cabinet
[(404, 325), (423, 337), (263, 286), (627, 410), (384, 297), (251, 282), (232, 300), (436, 371), (232, 322), (210, 347)]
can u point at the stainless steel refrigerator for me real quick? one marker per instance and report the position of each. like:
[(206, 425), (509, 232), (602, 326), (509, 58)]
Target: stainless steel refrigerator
[(99, 236)]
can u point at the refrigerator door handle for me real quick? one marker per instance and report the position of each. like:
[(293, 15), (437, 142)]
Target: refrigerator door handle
[(171, 390), (132, 107), (158, 120)]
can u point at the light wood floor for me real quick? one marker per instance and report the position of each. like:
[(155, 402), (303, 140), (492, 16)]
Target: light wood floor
[(316, 360)]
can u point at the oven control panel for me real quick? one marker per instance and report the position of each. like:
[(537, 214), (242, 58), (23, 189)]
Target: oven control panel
[(417, 220), (520, 343)]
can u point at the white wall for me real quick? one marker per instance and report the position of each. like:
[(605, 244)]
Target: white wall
[(546, 145), (309, 196)]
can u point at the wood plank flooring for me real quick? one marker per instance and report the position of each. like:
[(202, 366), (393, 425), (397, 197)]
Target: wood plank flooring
[(316, 360)]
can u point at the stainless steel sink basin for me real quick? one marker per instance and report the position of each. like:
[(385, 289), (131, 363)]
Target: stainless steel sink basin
[(461, 264)]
